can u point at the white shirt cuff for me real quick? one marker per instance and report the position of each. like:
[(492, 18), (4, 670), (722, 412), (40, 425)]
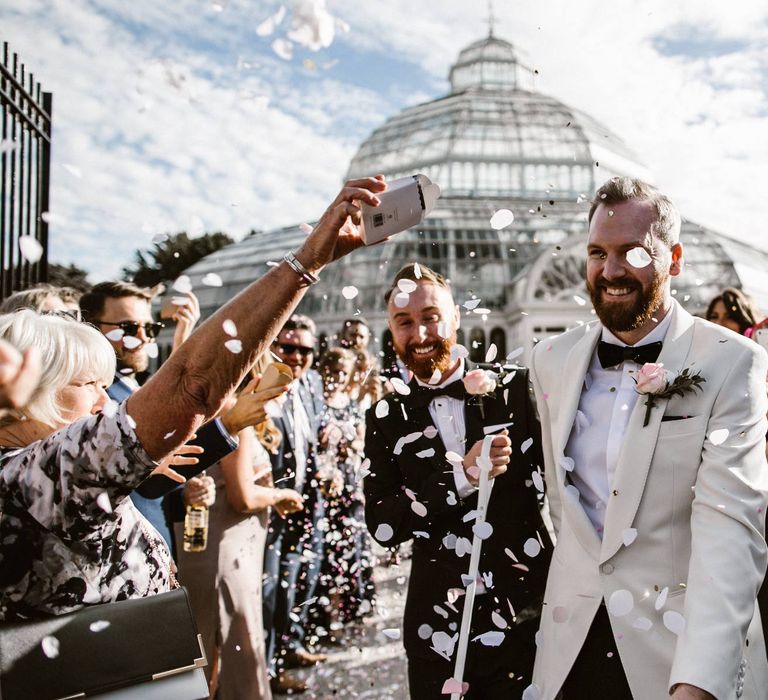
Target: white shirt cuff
[(463, 487)]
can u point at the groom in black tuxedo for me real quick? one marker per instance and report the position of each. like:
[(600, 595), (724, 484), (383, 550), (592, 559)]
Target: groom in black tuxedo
[(415, 492)]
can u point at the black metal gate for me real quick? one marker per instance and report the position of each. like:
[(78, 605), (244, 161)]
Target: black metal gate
[(25, 165)]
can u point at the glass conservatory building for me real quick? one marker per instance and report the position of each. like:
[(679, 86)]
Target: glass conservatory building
[(493, 142)]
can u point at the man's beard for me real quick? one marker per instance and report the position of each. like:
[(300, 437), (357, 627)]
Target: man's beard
[(424, 367), (134, 361), (620, 317)]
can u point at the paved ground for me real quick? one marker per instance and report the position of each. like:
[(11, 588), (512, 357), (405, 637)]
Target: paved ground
[(369, 664)]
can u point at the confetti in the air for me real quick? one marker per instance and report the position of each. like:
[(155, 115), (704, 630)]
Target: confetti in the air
[(212, 280), (269, 25), (471, 304), (183, 284), (638, 257), (382, 409), (400, 386), (416, 271), (384, 533), (116, 334), (131, 342), (283, 48), (152, 350), (501, 219), (406, 286), (99, 625), (401, 300), (102, 500), (661, 599), (50, 647), (234, 346), (419, 509), (579, 300), (490, 639), (483, 530), (629, 536), (229, 328), (621, 603), (349, 292), (674, 622), (642, 623), (498, 620), (30, 248), (391, 633), (719, 436), (532, 547), (490, 356), (526, 445)]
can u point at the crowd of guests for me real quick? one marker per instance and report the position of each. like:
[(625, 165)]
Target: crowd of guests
[(99, 463), (288, 559)]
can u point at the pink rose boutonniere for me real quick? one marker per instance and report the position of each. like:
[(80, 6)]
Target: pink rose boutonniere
[(654, 382), (479, 383)]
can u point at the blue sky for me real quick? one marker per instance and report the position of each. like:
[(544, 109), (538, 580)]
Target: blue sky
[(180, 116)]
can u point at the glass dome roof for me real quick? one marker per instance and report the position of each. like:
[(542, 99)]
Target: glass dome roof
[(493, 136)]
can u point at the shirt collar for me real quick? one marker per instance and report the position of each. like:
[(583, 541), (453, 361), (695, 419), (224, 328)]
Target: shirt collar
[(454, 376)]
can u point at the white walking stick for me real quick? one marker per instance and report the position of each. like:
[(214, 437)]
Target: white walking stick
[(483, 496)]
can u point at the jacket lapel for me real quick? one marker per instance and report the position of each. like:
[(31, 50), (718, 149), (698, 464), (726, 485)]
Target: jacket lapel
[(640, 441), (417, 419)]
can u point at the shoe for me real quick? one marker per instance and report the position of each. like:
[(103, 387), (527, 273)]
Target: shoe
[(285, 685), (299, 658)]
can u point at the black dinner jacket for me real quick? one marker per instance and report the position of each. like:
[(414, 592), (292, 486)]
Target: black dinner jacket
[(513, 511)]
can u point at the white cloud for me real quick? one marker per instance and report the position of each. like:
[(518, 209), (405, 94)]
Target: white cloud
[(176, 110)]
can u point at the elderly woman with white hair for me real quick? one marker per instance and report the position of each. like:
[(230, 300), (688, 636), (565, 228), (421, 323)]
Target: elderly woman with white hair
[(68, 537)]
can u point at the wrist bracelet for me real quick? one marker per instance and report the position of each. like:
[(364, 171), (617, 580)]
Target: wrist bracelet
[(299, 269)]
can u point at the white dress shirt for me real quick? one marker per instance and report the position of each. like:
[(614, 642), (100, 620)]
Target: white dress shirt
[(301, 434), (607, 400), (447, 413)]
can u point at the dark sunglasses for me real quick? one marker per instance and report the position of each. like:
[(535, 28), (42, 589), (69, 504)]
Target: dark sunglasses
[(151, 330), (72, 314), (289, 349)]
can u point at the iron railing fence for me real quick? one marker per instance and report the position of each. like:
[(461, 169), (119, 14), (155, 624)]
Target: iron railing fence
[(25, 166)]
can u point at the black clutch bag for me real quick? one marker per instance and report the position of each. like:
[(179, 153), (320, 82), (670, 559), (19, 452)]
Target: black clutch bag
[(139, 648)]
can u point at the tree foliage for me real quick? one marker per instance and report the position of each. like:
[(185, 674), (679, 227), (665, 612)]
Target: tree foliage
[(68, 276), (167, 259)]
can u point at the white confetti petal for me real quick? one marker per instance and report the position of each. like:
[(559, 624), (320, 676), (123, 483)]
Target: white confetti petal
[(152, 350), (416, 271), (579, 300), (382, 409), (419, 508), (30, 248), (515, 353), (526, 445), (642, 623), (538, 481), (99, 625), (719, 436), (269, 25), (424, 632), (283, 48), (674, 622), (638, 257), (430, 432), (429, 452), (661, 599), (501, 219), (463, 546), (306, 228), (406, 286), (567, 464), (532, 692), (229, 328), (400, 386), (212, 280), (131, 342), (50, 647), (102, 500), (73, 170), (234, 346), (401, 300), (498, 620), (458, 352), (349, 292), (629, 536), (483, 530), (384, 533), (532, 547), (116, 334), (621, 603), (472, 304), (437, 375), (490, 356), (490, 639), (183, 284), (391, 633), (110, 408)]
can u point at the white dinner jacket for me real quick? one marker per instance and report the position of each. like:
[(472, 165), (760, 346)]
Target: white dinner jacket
[(698, 509)]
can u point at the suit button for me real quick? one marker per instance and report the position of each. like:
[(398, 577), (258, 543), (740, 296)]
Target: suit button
[(607, 568)]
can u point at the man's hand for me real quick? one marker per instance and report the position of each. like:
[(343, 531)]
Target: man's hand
[(683, 691), (337, 232), (200, 491), (249, 408), (501, 449), (179, 458), (287, 501), (185, 318), (19, 375)]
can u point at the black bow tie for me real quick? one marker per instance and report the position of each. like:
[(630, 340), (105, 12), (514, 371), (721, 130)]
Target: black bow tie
[(422, 396), (611, 355)]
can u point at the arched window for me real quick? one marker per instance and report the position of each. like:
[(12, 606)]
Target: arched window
[(499, 339), (477, 345)]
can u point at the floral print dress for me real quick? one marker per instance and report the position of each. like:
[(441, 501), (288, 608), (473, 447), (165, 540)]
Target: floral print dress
[(69, 534)]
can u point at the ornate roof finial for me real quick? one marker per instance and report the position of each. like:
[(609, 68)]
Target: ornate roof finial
[(491, 18)]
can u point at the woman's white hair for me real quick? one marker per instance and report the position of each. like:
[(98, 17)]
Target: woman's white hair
[(69, 350)]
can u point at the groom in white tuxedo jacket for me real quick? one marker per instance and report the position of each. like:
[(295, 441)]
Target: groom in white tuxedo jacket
[(658, 502)]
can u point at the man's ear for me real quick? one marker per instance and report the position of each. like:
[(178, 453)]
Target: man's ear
[(676, 266)]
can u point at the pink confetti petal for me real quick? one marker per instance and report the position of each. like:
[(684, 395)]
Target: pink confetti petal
[(452, 686)]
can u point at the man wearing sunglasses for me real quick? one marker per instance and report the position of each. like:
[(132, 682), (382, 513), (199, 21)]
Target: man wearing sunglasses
[(294, 549), (122, 311)]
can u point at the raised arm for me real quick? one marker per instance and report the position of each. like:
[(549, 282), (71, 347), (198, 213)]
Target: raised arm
[(192, 385)]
